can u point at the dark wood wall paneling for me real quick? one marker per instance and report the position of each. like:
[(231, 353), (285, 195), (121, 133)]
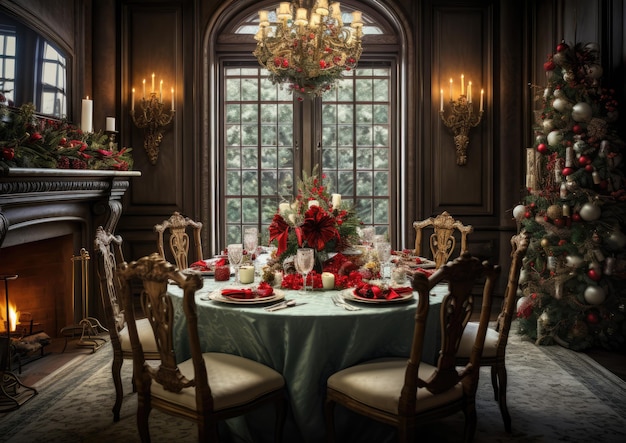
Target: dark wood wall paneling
[(157, 37)]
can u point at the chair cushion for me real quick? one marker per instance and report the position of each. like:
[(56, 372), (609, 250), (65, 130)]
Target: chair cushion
[(469, 336), (234, 381), (378, 384), (146, 337)]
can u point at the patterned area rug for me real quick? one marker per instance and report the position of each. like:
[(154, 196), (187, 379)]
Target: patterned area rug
[(554, 395)]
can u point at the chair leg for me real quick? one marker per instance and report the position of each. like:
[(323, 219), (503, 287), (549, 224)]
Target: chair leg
[(116, 368), (494, 381), (500, 371), (329, 414), (143, 415), (470, 419)]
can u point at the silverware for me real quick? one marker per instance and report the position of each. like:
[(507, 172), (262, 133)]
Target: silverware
[(340, 302), (282, 305)]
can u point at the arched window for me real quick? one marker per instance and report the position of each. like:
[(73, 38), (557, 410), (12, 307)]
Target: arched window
[(265, 138)]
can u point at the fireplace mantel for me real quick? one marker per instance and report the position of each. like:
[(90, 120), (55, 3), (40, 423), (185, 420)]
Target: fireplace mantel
[(36, 203), (46, 217)]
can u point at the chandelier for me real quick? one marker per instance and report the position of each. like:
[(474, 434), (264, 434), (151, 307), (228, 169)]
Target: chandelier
[(308, 49)]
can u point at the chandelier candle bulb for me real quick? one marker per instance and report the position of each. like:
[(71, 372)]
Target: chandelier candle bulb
[(301, 17), (462, 84), (450, 90), (144, 88), (441, 100), (132, 100), (322, 7), (469, 92), (482, 94), (152, 90)]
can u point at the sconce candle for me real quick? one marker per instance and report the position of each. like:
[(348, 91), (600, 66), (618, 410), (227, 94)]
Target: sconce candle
[(86, 117), (461, 118), (151, 115)]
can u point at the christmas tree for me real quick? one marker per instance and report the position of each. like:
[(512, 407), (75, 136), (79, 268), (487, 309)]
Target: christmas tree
[(573, 276)]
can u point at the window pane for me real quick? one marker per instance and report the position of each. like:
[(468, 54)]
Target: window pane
[(259, 149)]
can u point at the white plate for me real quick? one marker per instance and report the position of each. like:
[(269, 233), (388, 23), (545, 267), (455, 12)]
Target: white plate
[(349, 295), (216, 295)]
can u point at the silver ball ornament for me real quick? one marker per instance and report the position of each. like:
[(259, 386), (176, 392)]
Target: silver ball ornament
[(616, 240), (554, 138), (558, 93), (574, 261), (590, 212), (594, 295), (519, 212), (581, 112), (561, 105), (548, 125)]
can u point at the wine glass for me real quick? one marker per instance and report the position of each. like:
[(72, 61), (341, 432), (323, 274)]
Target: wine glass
[(251, 242), (305, 259), (235, 255), (384, 254)]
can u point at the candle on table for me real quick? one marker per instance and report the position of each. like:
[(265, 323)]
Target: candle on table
[(482, 93), (246, 274), (278, 279), (86, 120), (283, 207), (132, 100), (328, 280), (110, 126), (462, 84), (441, 100)]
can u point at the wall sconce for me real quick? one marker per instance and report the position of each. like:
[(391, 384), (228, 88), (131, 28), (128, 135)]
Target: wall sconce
[(152, 116), (462, 118)]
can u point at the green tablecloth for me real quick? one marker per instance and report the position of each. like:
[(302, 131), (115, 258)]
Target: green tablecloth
[(305, 343)]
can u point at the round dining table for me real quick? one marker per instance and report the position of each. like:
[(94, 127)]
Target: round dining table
[(306, 343)]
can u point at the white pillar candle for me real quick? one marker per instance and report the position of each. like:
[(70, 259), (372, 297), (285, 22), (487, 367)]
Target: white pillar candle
[(246, 274), (283, 207), (328, 280), (336, 200), (86, 117), (110, 126), (278, 279)]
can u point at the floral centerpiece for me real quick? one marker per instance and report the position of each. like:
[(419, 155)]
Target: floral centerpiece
[(30, 141), (314, 219)]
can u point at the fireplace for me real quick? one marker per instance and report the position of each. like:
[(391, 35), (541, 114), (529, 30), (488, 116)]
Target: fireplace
[(46, 217)]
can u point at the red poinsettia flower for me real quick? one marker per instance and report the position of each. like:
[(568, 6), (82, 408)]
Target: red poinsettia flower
[(318, 227), (279, 230)]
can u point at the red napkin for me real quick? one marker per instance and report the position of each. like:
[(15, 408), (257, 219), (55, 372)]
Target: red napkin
[(375, 292), (207, 265), (428, 272), (238, 293), (264, 290)]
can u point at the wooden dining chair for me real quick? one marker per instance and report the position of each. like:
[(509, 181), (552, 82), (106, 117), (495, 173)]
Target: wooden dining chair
[(206, 388), (176, 231), (494, 351), (407, 393), (108, 254), (442, 240)]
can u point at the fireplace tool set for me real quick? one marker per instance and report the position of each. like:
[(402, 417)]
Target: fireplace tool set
[(88, 327), (13, 393)]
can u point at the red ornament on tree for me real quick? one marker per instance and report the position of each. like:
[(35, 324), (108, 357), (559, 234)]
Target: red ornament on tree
[(577, 129), (562, 47), (542, 148), (583, 160), (592, 317), (594, 275), (576, 217), (567, 171)]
